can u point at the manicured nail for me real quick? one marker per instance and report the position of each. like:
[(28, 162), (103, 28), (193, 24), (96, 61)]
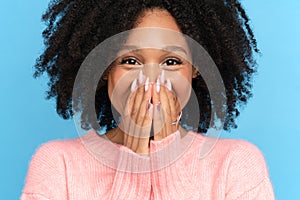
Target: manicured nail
[(133, 85), (168, 85), (141, 77), (147, 84), (157, 85), (158, 106), (162, 77)]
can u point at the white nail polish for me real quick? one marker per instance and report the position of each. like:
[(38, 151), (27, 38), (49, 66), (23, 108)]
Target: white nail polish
[(147, 84), (133, 85), (141, 77), (168, 85), (157, 86), (162, 77)]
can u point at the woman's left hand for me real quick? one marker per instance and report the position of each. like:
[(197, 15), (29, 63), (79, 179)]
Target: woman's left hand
[(166, 110)]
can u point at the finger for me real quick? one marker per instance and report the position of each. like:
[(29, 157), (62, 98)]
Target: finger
[(133, 110), (158, 118), (145, 105), (174, 112), (141, 124), (126, 117), (158, 122), (155, 92), (145, 128), (139, 96), (166, 107)]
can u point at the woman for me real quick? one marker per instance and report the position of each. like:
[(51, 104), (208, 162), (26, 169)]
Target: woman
[(150, 155)]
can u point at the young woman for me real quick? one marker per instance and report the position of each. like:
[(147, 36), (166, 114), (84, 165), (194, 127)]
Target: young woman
[(139, 145)]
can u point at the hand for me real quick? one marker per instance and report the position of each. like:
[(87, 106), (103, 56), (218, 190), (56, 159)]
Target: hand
[(166, 111), (136, 121)]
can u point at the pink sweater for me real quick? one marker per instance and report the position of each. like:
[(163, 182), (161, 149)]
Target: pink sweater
[(66, 169)]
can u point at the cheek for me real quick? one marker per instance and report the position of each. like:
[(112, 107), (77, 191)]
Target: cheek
[(110, 86), (182, 88), (181, 83), (119, 84), (113, 79)]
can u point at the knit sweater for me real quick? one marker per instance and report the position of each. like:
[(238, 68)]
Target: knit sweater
[(72, 169)]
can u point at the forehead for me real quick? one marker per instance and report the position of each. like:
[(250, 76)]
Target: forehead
[(155, 29), (155, 38), (157, 18)]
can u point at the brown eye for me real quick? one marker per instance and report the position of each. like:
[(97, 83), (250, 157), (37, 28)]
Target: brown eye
[(129, 61), (172, 61)]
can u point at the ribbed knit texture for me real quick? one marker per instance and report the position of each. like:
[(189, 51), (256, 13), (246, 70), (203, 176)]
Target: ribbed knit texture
[(65, 169)]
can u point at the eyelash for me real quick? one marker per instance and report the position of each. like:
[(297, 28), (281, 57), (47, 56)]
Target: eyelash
[(126, 61), (178, 61)]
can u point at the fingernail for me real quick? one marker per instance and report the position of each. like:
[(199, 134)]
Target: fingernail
[(158, 106), (162, 77), (157, 86), (168, 85), (141, 77), (147, 84), (133, 85)]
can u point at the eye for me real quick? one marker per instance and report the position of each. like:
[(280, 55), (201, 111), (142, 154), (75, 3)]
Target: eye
[(129, 61), (172, 61)]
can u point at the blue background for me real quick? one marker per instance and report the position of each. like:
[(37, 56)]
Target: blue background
[(270, 120)]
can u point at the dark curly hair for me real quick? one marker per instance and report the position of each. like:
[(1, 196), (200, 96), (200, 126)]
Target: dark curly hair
[(75, 27)]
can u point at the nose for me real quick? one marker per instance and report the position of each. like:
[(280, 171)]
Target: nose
[(152, 71)]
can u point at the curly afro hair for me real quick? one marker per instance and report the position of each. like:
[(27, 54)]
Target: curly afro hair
[(75, 27)]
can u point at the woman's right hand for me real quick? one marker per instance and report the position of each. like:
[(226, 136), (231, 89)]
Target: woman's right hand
[(136, 121)]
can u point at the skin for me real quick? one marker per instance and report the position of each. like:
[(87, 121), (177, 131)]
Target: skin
[(152, 101)]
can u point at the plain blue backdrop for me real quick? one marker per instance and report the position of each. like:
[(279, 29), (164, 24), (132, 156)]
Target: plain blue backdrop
[(270, 120)]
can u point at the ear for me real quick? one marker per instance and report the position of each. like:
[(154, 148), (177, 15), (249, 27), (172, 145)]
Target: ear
[(105, 77), (195, 72), (105, 73)]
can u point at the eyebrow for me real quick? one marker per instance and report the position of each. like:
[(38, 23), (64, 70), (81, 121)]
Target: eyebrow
[(165, 48)]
